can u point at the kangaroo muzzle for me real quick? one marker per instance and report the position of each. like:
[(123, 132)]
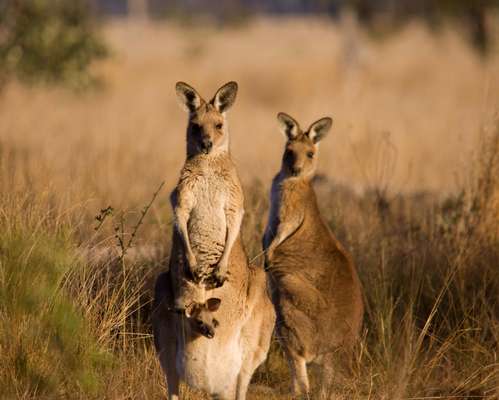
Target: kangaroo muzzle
[(206, 145)]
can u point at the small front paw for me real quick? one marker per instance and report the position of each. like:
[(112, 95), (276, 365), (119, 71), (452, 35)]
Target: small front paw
[(216, 280)]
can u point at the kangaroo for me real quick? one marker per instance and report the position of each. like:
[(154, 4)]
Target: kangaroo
[(208, 200), (208, 207), (219, 358), (198, 312), (315, 288)]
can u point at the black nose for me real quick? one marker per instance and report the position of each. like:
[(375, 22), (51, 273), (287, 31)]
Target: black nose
[(207, 145), (208, 332), (296, 171)]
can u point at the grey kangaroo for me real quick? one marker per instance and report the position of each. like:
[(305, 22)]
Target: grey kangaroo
[(315, 288)]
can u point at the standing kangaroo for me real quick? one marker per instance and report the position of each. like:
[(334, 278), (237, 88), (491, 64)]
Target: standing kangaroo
[(315, 288), (208, 200), (217, 344)]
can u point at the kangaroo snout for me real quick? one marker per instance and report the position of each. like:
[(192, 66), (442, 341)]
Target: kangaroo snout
[(295, 171), (206, 145), (206, 330)]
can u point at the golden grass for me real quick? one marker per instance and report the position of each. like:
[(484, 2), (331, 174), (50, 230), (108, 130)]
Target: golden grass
[(409, 184)]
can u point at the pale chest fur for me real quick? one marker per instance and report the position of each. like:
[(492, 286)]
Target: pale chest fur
[(214, 364), (211, 364), (212, 190)]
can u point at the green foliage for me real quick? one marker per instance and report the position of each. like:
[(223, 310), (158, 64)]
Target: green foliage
[(48, 41), (44, 339)]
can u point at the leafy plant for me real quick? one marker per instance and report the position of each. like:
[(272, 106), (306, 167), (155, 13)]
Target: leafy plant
[(48, 41)]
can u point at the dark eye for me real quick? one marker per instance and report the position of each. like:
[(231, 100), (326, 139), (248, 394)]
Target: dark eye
[(310, 154), (219, 126), (215, 323)]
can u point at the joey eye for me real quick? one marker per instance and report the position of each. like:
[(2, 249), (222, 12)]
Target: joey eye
[(310, 154), (219, 126), (215, 323)]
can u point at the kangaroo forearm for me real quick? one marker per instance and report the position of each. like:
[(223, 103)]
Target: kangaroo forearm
[(232, 233), (181, 218), (284, 230)]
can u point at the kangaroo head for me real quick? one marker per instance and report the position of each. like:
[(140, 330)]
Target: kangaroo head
[(300, 153), (200, 317), (207, 131), (190, 301)]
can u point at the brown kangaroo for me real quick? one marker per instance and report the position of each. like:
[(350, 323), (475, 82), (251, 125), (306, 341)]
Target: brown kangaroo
[(315, 288), (206, 247), (208, 200)]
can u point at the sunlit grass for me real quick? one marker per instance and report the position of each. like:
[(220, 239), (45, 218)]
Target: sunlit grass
[(405, 185)]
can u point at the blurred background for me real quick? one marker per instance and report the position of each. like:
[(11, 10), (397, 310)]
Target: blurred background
[(408, 83), (87, 86), (408, 179)]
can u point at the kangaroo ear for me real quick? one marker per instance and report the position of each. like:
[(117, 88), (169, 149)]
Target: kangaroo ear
[(289, 127), (213, 304), (187, 96), (225, 97), (319, 129)]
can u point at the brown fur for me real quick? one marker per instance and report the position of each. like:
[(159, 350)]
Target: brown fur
[(224, 364), (208, 200), (208, 205), (316, 291)]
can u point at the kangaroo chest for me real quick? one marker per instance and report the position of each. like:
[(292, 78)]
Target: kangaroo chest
[(211, 190)]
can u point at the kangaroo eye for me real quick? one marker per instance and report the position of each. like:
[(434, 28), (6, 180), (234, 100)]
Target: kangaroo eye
[(310, 154), (219, 126)]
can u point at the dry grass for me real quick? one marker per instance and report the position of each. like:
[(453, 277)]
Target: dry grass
[(409, 183)]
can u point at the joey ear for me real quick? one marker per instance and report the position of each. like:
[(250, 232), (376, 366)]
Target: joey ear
[(213, 304), (225, 97), (289, 127), (187, 96), (319, 129)]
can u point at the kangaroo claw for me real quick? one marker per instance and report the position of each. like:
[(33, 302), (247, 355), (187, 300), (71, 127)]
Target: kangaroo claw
[(216, 280)]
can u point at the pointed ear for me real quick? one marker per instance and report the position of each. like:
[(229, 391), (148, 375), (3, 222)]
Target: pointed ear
[(187, 96), (289, 127), (225, 97), (319, 129), (213, 304)]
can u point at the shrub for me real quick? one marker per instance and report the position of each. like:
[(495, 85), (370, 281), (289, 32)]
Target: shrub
[(48, 41)]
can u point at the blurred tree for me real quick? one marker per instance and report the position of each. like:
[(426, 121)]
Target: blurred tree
[(138, 8), (474, 13), (471, 13), (48, 41)]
